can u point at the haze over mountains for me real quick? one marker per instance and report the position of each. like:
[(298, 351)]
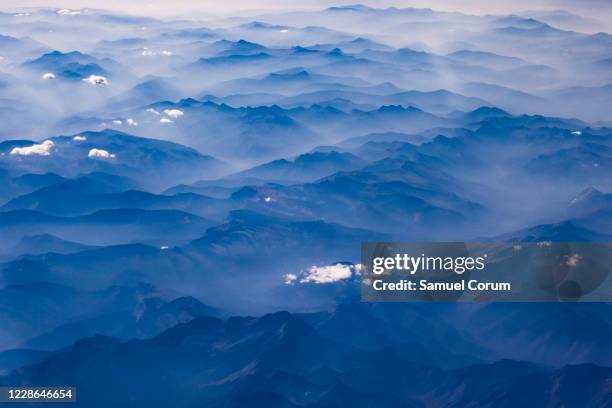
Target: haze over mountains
[(160, 176)]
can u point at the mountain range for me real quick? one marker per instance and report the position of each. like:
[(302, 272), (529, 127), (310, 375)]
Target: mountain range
[(183, 201)]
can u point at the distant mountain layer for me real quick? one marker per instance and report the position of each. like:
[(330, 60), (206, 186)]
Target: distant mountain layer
[(49, 316), (106, 227), (300, 360), (306, 167), (152, 162)]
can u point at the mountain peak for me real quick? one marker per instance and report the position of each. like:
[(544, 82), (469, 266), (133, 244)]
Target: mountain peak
[(303, 50), (397, 108), (336, 52), (489, 110), (586, 195), (353, 7), (486, 112)]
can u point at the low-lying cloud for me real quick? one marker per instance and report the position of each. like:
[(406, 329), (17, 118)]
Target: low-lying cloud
[(42, 149), (174, 113), (96, 80), (100, 154), (324, 274), (151, 53)]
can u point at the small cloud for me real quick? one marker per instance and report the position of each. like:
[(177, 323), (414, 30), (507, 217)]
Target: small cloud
[(174, 113), (79, 138), (153, 111), (48, 75), (573, 261), (267, 199), (150, 53), (131, 122), (42, 149), (329, 273), (577, 133), (68, 12), (164, 247), (290, 278), (117, 122), (96, 80), (100, 154), (165, 120), (284, 30)]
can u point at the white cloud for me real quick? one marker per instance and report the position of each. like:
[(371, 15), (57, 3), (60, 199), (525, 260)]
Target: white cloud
[(117, 122), (174, 113), (79, 138), (48, 75), (100, 154), (284, 30), (42, 149), (96, 80), (573, 260), (267, 199), (150, 53), (131, 122), (577, 133), (165, 120), (164, 247), (153, 111), (329, 273), (290, 278), (67, 12)]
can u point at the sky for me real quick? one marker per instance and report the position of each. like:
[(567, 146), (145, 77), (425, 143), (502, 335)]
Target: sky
[(596, 14), (183, 7)]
